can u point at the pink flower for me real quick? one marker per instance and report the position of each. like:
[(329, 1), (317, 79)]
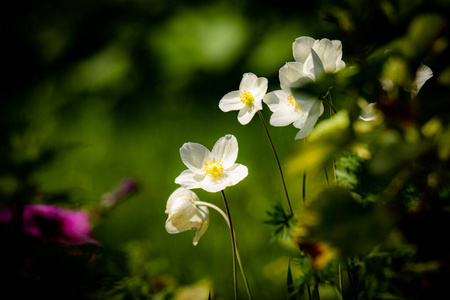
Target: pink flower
[(54, 223)]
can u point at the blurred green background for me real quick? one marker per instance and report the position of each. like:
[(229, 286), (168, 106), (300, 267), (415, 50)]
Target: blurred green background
[(96, 91)]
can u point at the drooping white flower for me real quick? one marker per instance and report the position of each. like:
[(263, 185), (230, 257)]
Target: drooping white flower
[(212, 170), (247, 99), (318, 56), (185, 215)]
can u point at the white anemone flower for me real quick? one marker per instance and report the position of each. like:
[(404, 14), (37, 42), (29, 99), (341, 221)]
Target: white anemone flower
[(212, 170), (247, 99), (185, 215), (290, 106), (307, 50)]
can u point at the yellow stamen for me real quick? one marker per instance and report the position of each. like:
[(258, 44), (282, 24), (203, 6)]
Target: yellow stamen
[(292, 102), (247, 98), (213, 168)]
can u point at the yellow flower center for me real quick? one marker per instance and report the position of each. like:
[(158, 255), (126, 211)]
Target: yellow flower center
[(292, 102), (247, 98), (213, 168)]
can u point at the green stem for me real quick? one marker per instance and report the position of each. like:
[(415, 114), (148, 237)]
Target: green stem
[(278, 161), (304, 181), (326, 176), (304, 188), (309, 291), (329, 103), (233, 242), (316, 289)]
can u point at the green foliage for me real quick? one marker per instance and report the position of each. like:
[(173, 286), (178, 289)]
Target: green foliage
[(347, 171), (281, 221), (97, 91)]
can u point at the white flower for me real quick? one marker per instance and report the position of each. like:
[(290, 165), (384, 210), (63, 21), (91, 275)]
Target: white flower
[(247, 99), (290, 106), (185, 215), (212, 171), (317, 56)]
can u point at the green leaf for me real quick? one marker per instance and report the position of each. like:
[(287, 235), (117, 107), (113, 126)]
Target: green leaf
[(290, 284)]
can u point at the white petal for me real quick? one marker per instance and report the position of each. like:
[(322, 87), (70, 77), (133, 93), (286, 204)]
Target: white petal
[(321, 109), (338, 46), (301, 48), (187, 180), (272, 99), (226, 149), (205, 225), (231, 101), (304, 100), (257, 104), (214, 185), (327, 53), (422, 75), (260, 88), (300, 122), (311, 120), (246, 114), (194, 155), (236, 173), (317, 63), (288, 74), (284, 117), (184, 216), (178, 193), (340, 65), (248, 82)]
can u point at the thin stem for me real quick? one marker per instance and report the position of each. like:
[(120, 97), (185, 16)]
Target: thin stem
[(326, 176), (304, 188), (352, 279), (278, 161), (331, 116), (332, 109), (216, 208), (334, 171), (316, 289), (304, 181), (233, 242), (329, 103), (309, 291)]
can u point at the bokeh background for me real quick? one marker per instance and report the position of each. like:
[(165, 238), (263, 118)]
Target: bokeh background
[(95, 91)]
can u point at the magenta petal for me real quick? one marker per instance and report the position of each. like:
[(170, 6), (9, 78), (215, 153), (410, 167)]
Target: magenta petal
[(54, 223)]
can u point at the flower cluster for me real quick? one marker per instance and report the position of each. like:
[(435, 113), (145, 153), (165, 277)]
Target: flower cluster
[(289, 106), (294, 103), (215, 170)]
